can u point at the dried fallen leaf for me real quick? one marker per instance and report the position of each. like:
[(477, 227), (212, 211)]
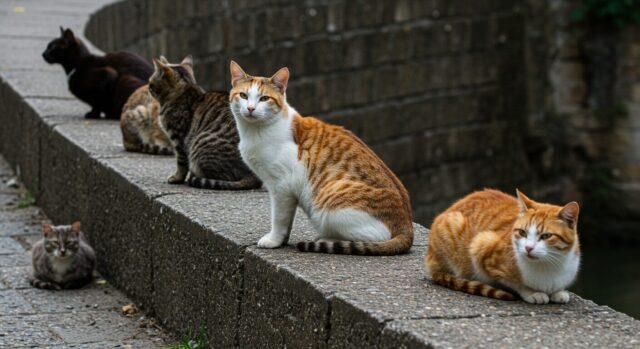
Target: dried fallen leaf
[(101, 282), (129, 309), (19, 9)]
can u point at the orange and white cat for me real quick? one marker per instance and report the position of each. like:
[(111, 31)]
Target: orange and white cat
[(355, 203), (490, 239)]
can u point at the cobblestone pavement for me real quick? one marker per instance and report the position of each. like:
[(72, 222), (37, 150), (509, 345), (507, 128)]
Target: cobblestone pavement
[(90, 317)]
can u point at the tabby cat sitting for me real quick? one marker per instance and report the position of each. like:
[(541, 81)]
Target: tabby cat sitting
[(201, 128), (140, 125), (62, 258), (490, 241), (357, 205), (103, 82)]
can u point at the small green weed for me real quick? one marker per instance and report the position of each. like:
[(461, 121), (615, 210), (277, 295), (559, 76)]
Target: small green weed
[(188, 343), (27, 200)]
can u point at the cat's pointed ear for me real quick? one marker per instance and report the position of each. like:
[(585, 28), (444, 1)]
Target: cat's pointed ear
[(61, 32), (68, 35), (161, 67), (524, 203), (76, 226), (46, 229), (188, 60), (281, 79), (163, 59), (237, 73), (569, 214)]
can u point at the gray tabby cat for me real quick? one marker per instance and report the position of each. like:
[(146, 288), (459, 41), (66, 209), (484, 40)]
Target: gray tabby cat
[(201, 128), (62, 259)]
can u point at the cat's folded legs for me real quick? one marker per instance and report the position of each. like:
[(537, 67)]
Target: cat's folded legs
[(530, 295), (283, 210)]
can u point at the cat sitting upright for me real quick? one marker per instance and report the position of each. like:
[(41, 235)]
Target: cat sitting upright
[(62, 259), (103, 82)]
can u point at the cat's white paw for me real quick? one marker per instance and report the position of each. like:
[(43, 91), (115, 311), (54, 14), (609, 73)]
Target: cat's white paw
[(560, 297), (175, 179), (535, 298), (270, 241)]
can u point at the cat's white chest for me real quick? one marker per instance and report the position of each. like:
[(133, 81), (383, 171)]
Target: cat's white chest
[(61, 267), (550, 278), (273, 156)]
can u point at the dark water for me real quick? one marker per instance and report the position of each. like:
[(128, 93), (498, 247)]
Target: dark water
[(611, 276)]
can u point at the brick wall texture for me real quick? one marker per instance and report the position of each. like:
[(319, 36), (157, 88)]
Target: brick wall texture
[(435, 87)]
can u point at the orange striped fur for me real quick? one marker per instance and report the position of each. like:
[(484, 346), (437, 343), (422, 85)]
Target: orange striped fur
[(490, 240), (343, 175)]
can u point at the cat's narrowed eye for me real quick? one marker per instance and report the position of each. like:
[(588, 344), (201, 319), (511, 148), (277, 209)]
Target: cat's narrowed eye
[(545, 236), (264, 98), (243, 95), (521, 232)]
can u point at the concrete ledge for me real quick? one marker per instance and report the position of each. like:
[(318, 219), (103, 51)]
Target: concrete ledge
[(189, 255)]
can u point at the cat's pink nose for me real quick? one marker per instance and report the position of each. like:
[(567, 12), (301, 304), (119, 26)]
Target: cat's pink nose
[(251, 109), (528, 248)]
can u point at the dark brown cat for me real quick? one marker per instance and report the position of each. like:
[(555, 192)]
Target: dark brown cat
[(103, 82)]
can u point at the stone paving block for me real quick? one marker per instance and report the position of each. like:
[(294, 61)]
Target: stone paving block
[(198, 275), (50, 83), (28, 215), (21, 144), (598, 330), (87, 327), (19, 228), (281, 308), (9, 246), (15, 260), (72, 109), (8, 201), (28, 331), (12, 303), (16, 277), (92, 297)]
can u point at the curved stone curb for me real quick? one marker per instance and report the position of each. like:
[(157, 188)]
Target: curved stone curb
[(190, 257)]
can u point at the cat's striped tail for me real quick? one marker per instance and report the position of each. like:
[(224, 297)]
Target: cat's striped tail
[(246, 183), (45, 285), (156, 149), (399, 244), (471, 287)]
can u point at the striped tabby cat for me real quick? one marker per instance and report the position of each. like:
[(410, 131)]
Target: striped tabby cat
[(492, 239), (140, 125), (354, 201), (62, 258), (202, 130)]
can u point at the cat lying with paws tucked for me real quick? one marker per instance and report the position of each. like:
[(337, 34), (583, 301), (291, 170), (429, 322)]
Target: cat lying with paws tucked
[(489, 240), (62, 258)]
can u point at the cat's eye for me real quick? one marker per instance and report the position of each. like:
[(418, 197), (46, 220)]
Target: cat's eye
[(243, 95), (545, 236), (522, 232), (264, 98)]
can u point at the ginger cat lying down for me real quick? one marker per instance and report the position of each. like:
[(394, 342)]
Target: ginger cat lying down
[(489, 241)]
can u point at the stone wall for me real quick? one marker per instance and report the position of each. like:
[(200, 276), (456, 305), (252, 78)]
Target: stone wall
[(436, 88), (583, 83)]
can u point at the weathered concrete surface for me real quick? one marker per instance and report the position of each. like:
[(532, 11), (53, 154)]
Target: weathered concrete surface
[(87, 318), (189, 255)]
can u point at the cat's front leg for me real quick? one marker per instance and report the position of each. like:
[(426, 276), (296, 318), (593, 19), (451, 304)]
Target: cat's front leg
[(532, 296), (93, 114), (283, 210), (182, 166), (561, 297)]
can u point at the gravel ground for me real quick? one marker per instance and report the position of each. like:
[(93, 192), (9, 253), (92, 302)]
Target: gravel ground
[(90, 317)]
